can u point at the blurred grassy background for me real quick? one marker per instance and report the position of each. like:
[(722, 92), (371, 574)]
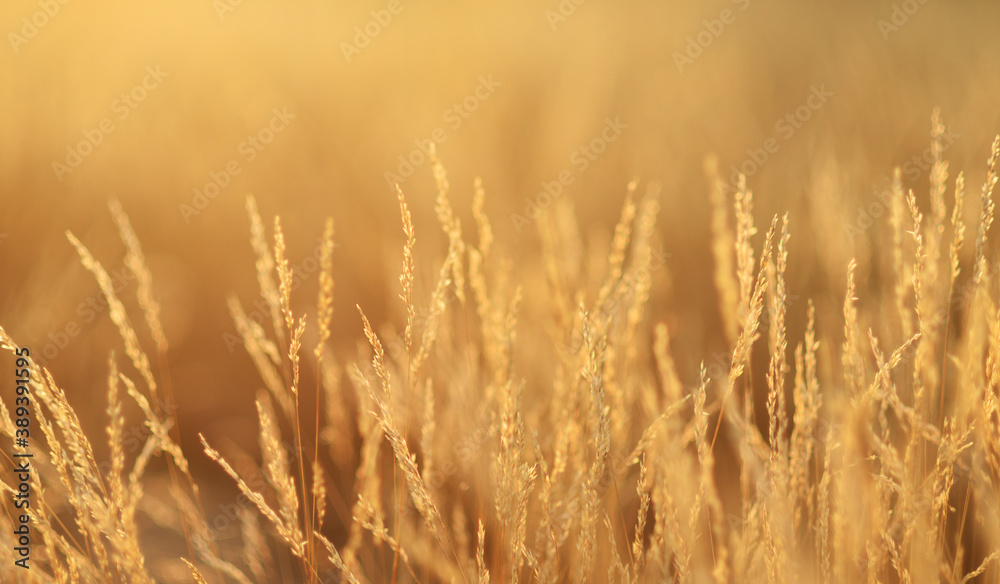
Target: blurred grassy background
[(355, 118)]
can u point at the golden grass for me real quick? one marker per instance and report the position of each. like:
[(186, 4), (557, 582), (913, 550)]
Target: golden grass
[(869, 464)]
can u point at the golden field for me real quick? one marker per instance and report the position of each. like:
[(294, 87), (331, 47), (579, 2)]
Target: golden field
[(573, 345)]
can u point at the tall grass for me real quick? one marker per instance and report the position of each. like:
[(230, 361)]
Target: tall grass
[(510, 430)]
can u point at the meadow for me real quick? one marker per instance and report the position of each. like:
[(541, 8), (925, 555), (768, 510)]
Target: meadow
[(420, 292)]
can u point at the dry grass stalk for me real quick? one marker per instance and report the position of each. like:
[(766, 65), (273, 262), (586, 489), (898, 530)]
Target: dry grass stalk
[(986, 215), (595, 343), (638, 545), (324, 302), (670, 383), (406, 461), (285, 276), (256, 554), (198, 578), (745, 230), (958, 228), (135, 261), (265, 267), (515, 478), (118, 315), (754, 308), (291, 533), (777, 528), (451, 224), (264, 353), (435, 310), (484, 573), (407, 277), (723, 246), (807, 401), (427, 432), (619, 245), (276, 467), (337, 560), (901, 269), (715, 515), (853, 360)]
